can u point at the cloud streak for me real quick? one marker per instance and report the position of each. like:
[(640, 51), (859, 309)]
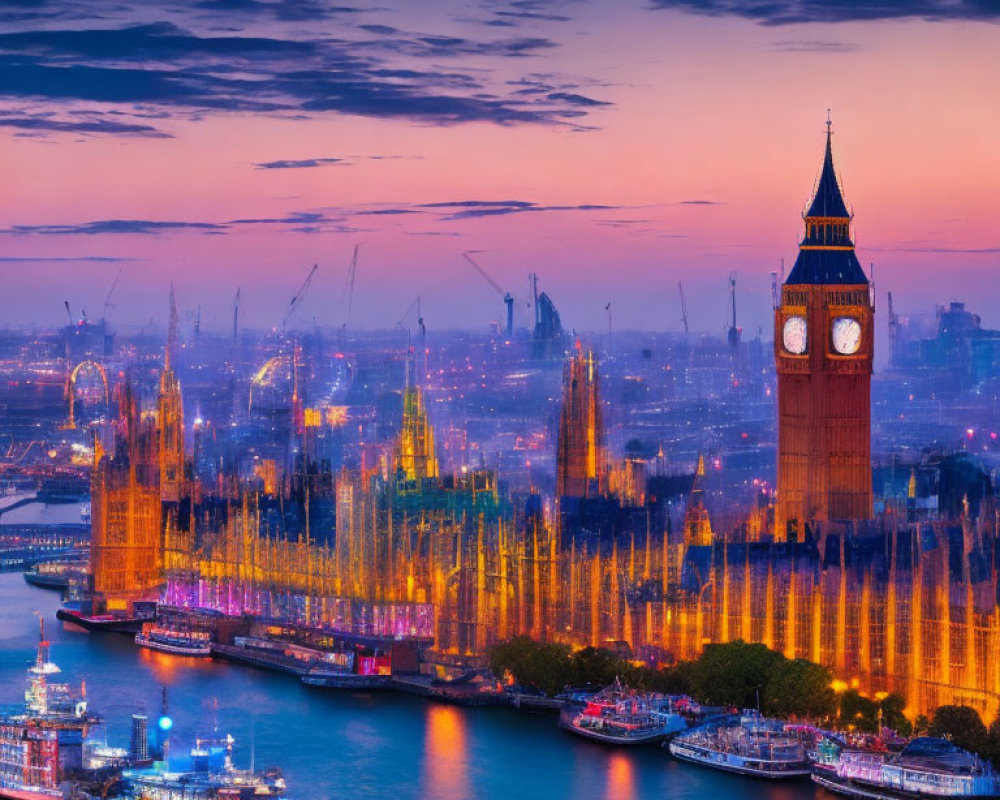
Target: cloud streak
[(790, 12), (303, 163), (471, 209), (64, 259)]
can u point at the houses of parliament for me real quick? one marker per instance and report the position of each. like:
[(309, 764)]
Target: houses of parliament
[(896, 601)]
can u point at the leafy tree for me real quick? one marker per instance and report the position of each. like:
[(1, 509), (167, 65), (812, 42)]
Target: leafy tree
[(799, 688), (596, 666), (893, 716), (962, 725), (678, 679), (735, 673), (859, 711), (993, 742), (544, 667), (921, 725)]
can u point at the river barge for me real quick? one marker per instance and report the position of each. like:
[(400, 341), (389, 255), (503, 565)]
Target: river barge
[(746, 744), (926, 768)]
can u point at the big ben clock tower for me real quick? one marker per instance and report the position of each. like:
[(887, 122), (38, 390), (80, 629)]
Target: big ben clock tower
[(823, 346)]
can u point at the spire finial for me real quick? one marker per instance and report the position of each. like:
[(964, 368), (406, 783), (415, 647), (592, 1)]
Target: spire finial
[(171, 330), (829, 124)]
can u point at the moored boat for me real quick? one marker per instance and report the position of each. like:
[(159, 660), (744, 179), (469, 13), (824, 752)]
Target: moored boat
[(620, 716), (746, 744), (926, 767), (175, 641), (212, 775), (111, 622), (55, 574)]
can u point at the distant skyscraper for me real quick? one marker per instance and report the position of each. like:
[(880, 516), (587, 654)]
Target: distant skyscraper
[(823, 346), (580, 458), (138, 745)]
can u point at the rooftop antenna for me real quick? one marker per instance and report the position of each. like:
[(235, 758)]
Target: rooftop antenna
[(734, 332)]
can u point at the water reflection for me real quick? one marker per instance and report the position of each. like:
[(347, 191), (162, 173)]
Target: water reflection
[(621, 776), (446, 754)]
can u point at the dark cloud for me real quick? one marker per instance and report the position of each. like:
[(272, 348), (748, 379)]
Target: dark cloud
[(386, 212), (299, 164), (973, 251), (787, 12), (813, 46), (699, 203), (297, 221), (63, 259), (533, 15), (134, 226), (284, 10), (385, 30), (478, 203), (45, 122), (576, 99), (162, 68), (470, 209)]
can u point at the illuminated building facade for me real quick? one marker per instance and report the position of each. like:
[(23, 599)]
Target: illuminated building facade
[(581, 463), (126, 549), (416, 459), (823, 347)]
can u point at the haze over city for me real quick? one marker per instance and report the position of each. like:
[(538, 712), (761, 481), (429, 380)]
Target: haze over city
[(612, 148)]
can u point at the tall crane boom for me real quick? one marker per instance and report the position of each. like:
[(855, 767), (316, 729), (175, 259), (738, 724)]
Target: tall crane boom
[(296, 301), (684, 307), (508, 298), (236, 313), (111, 291), (352, 271)]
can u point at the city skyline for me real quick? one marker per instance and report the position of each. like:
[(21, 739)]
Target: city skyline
[(220, 145)]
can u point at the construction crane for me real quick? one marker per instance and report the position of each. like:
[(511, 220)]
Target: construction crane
[(347, 300), (296, 301), (684, 307), (508, 298), (111, 291), (236, 314), (420, 318)]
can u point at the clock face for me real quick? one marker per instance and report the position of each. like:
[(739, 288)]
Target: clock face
[(846, 335), (793, 335)]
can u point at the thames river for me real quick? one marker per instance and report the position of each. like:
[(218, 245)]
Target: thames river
[(340, 745)]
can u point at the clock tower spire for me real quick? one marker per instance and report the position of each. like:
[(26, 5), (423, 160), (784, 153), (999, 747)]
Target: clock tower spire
[(823, 348)]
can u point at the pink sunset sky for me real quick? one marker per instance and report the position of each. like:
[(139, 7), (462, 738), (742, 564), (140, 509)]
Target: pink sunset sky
[(614, 148)]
